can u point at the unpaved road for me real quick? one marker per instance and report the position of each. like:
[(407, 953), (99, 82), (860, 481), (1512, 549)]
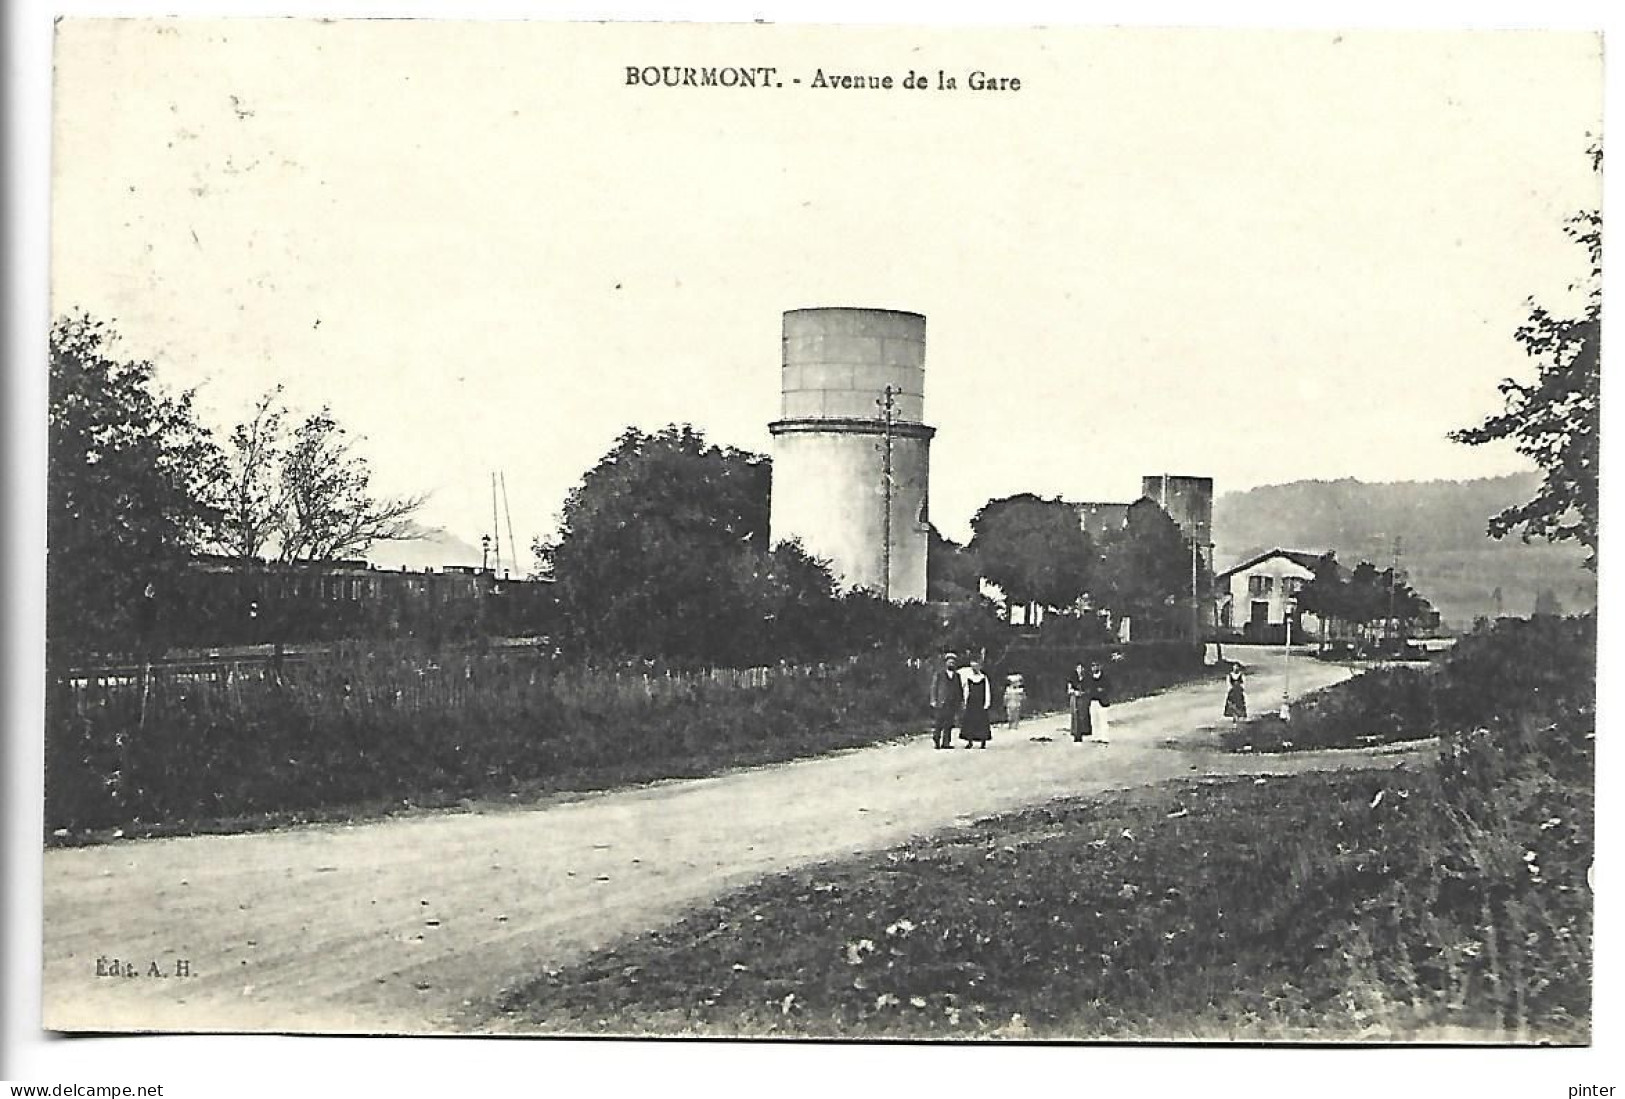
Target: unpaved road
[(412, 925)]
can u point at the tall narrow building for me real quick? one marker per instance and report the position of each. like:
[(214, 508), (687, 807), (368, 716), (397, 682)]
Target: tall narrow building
[(851, 451), (1189, 502)]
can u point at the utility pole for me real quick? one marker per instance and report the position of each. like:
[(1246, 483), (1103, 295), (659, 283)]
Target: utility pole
[(887, 404), (495, 530), (1286, 663), (1393, 580), (1196, 602), (513, 546)]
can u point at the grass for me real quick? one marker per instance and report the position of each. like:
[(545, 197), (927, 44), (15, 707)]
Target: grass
[(1517, 666), (1379, 706), (1449, 901), (365, 733)]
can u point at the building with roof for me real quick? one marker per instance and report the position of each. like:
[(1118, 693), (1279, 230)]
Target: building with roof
[(1256, 597)]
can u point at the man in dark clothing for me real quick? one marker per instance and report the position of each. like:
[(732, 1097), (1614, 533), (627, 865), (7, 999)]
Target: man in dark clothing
[(945, 695)]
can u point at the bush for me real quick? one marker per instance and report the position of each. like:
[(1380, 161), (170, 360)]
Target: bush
[(1440, 903), (1517, 666), (374, 729), (370, 728)]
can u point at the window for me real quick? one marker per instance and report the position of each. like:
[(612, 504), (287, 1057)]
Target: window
[(1260, 585), (1292, 585)]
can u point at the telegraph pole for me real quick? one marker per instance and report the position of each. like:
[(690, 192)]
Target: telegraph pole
[(887, 404), (1196, 601), (1393, 582), (495, 530), (1286, 662)]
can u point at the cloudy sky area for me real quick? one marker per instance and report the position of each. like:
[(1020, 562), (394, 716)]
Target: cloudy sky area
[(1260, 257)]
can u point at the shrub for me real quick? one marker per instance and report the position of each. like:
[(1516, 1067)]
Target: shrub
[(1519, 665), (376, 728), (1444, 902)]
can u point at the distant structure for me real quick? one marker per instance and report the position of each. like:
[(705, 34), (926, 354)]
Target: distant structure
[(227, 601), (1257, 596), (1189, 502), (851, 451), (1098, 519)]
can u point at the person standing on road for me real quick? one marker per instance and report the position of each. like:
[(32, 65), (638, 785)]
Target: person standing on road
[(1015, 695), (1235, 700), (1099, 692), (975, 704), (946, 690), (1077, 686)]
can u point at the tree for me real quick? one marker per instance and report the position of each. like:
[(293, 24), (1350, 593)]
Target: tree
[(1324, 596), (326, 507), (1547, 604), (304, 494), (1145, 570), (662, 553), (1365, 596), (1555, 419), (253, 504), (1034, 549), (130, 477), (950, 570)]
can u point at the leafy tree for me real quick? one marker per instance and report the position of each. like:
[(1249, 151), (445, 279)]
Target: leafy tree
[(662, 553), (130, 475), (1145, 570), (1324, 595), (1370, 595), (1555, 419), (950, 570), (1034, 549), (326, 508), (1366, 596)]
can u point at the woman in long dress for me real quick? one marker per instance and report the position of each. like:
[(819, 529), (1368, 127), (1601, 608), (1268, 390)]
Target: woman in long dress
[(977, 701), (1077, 695), (1235, 700)]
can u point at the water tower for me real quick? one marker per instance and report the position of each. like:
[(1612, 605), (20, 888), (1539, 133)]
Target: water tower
[(851, 453)]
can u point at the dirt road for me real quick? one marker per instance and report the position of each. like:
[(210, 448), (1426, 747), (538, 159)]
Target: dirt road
[(411, 925)]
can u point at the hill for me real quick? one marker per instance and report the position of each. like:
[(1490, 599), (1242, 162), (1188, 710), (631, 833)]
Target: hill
[(1440, 525)]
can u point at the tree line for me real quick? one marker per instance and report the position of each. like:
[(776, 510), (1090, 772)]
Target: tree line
[(1365, 597), (137, 487), (662, 551), (1039, 554)]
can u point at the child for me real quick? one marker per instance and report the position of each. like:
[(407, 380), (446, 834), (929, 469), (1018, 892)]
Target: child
[(1015, 694)]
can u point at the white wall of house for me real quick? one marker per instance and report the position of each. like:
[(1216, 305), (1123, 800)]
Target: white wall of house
[(1261, 593)]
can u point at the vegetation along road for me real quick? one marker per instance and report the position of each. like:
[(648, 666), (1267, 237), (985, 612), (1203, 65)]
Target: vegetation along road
[(418, 924)]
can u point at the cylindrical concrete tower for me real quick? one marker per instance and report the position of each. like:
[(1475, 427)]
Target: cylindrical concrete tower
[(830, 449)]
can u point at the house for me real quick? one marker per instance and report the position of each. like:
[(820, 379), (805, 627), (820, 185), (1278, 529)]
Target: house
[(1256, 597)]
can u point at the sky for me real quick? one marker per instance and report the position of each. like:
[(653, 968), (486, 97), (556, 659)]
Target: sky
[(1255, 256)]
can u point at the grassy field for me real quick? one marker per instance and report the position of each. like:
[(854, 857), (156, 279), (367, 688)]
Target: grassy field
[(1520, 666), (365, 733), (1447, 902)]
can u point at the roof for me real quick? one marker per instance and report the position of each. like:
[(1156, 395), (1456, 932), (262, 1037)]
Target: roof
[(1307, 559)]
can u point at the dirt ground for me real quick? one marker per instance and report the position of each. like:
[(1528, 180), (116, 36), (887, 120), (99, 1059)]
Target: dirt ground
[(413, 925)]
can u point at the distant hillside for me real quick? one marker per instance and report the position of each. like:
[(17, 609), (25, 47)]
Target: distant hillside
[(433, 547), (1441, 527)]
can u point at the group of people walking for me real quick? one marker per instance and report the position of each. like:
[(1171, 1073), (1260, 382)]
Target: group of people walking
[(963, 696)]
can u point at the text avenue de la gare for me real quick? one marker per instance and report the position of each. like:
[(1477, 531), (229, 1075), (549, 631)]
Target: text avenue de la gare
[(769, 76)]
